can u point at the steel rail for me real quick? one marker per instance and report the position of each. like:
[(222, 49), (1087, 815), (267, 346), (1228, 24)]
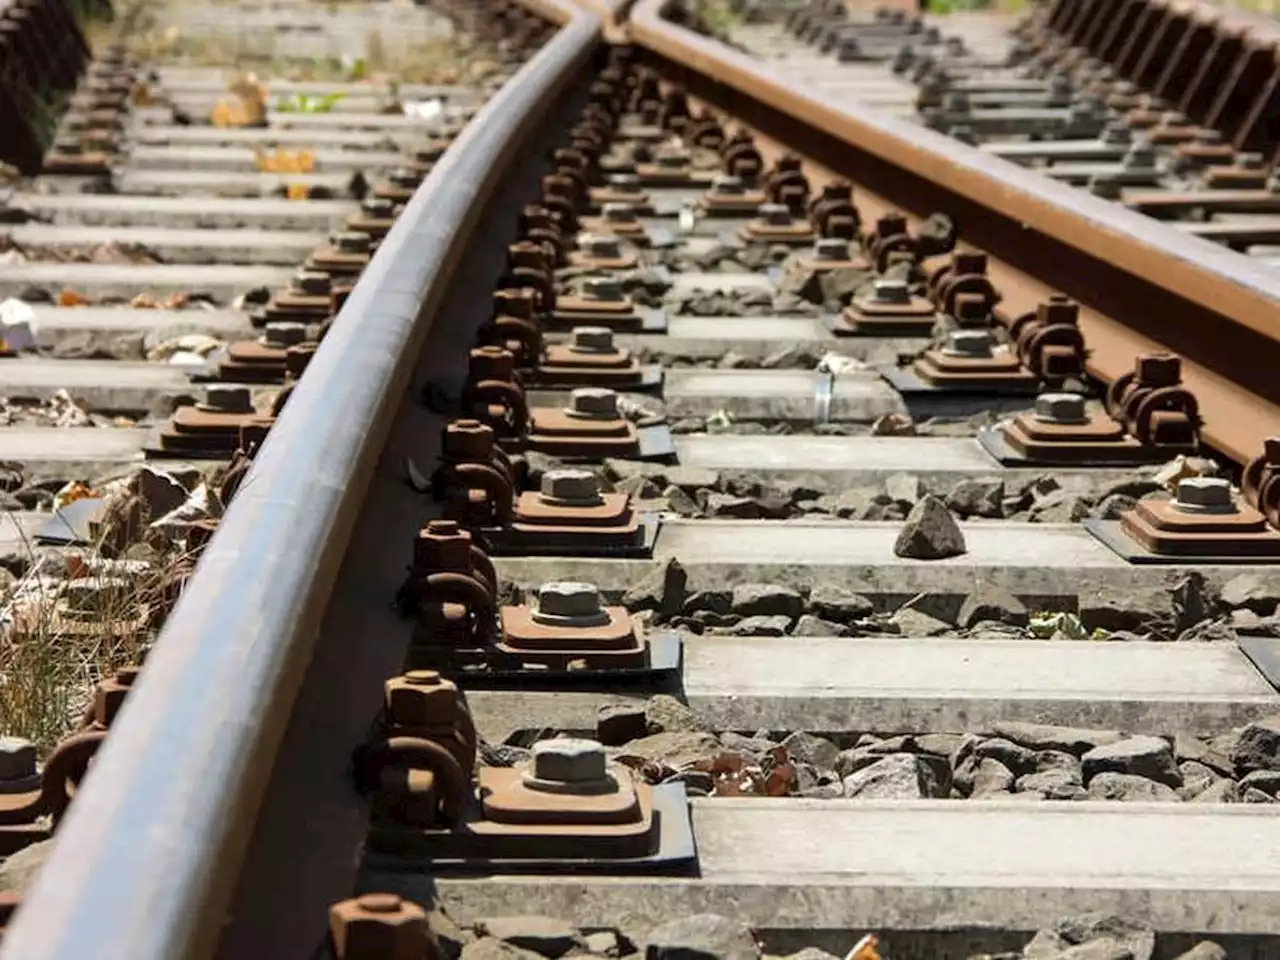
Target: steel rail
[(1151, 286), (147, 858)]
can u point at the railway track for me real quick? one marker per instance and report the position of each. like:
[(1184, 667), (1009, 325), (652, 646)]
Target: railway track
[(714, 495)]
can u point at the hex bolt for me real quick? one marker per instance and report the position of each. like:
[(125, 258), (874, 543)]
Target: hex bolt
[(568, 603), (592, 340), (1060, 82), (596, 403), (573, 487), (312, 283), (600, 246), (903, 58), (1060, 408), (428, 153), (284, 335), (1208, 137), (1106, 188), (727, 185), (774, 214), (420, 698), (1141, 156), (379, 208), (1117, 132), (225, 398), (17, 765), (568, 760), (353, 241), (831, 250), (377, 926), (624, 182), (890, 291), (618, 213), (602, 289), (404, 179), (969, 343), (1205, 495)]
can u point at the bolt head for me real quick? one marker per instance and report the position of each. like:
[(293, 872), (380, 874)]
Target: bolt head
[(17, 758), (313, 283), (618, 212), (1249, 160), (568, 760), (606, 289), (285, 335), (420, 698), (592, 340), (596, 402), (353, 241), (225, 398), (727, 185), (404, 179), (1141, 156), (831, 250), (1209, 494), (568, 600), (1060, 408), (378, 925), (379, 208), (571, 486), (970, 343), (624, 182), (890, 291), (1117, 132), (601, 246), (774, 214)]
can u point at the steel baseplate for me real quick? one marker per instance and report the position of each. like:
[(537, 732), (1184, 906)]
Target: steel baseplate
[(666, 848), (835, 324), (653, 442), (1111, 534), (993, 442), (907, 381), (650, 379), (522, 541), (489, 667), (640, 320)]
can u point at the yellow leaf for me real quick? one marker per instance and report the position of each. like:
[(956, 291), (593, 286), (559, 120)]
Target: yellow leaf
[(296, 191), (69, 298), (72, 492)]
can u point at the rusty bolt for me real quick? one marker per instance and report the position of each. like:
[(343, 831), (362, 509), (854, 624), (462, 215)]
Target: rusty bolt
[(831, 250), (404, 178), (592, 340), (569, 603), (468, 438), (379, 208), (284, 335), (1249, 160), (110, 694), (420, 698), (353, 241), (624, 182), (601, 246), (606, 289), (598, 403), (17, 763), (969, 343), (1060, 408), (890, 291), (379, 926), (225, 398), (774, 214), (1158, 370), (567, 762), (1205, 495), (727, 185), (618, 213), (442, 546), (313, 283), (491, 363), (1117, 132), (571, 487), (1141, 156)]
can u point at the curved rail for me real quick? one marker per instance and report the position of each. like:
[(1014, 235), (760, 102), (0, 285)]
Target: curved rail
[(147, 858), (1152, 287)]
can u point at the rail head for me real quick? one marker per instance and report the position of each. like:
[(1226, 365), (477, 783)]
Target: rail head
[(147, 858)]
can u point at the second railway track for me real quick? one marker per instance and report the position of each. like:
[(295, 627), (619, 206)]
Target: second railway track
[(710, 498)]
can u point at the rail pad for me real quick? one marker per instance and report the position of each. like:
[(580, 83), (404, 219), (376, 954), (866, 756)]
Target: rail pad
[(992, 441), (906, 381), (502, 542), (1110, 535)]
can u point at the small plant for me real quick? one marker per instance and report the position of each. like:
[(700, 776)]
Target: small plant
[(309, 103)]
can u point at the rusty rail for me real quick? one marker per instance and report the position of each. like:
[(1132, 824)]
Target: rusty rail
[(147, 859), (1145, 286)]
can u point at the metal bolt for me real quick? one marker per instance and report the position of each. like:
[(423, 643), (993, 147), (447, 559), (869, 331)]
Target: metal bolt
[(420, 698), (831, 250), (890, 291), (1249, 160), (578, 487), (601, 246), (569, 603), (1207, 137), (592, 340), (404, 178), (1141, 156), (568, 760), (1205, 495), (313, 283), (1107, 188), (596, 403), (353, 241), (969, 343), (604, 289), (284, 335), (428, 153), (774, 214), (228, 399), (848, 50), (618, 213), (379, 925), (1060, 408), (953, 47), (17, 759), (727, 185), (624, 182), (1117, 132), (379, 208)]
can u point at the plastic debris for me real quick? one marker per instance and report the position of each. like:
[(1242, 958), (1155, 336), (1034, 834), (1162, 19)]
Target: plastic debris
[(1045, 625), (73, 491), (865, 949), (837, 364), (430, 109), (17, 326)]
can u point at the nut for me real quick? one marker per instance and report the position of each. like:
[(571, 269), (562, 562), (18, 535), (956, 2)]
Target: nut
[(601, 246), (890, 291), (378, 926), (574, 487), (969, 343), (225, 398), (1141, 156), (284, 335), (353, 241), (420, 698), (1205, 495), (596, 403), (727, 185), (442, 546), (17, 759), (831, 250), (618, 212), (577, 603), (404, 179), (774, 214), (605, 289), (624, 182), (379, 208), (569, 760), (592, 340), (1060, 408), (1116, 132), (313, 283)]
